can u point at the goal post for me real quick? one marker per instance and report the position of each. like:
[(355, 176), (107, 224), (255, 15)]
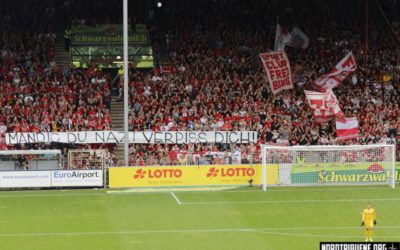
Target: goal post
[(328, 165), (86, 159)]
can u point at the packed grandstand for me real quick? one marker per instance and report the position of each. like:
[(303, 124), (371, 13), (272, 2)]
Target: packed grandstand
[(207, 77)]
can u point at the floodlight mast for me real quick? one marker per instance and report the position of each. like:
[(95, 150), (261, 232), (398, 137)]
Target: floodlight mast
[(126, 79)]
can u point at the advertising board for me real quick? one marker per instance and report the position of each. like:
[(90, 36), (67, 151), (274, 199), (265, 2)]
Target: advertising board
[(22, 179), (184, 176), (77, 178), (48, 179)]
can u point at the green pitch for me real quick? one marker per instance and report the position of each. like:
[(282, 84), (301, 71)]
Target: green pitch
[(281, 218)]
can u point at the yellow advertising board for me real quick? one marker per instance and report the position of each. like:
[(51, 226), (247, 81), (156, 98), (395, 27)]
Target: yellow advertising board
[(186, 176)]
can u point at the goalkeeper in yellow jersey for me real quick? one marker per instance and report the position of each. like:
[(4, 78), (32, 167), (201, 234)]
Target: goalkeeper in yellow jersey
[(368, 221)]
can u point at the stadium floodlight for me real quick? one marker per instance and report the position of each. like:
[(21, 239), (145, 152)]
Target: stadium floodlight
[(328, 165)]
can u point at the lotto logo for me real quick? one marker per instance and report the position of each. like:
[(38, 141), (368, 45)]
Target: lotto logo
[(230, 172), (139, 174), (213, 172), (157, 174)]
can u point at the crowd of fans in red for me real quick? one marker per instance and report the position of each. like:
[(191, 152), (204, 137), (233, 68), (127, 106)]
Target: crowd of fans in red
[(38, 95), (214, 81)]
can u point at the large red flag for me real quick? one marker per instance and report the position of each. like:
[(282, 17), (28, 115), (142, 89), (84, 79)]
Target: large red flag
[(347, 129), (343, 69), (325, 106)]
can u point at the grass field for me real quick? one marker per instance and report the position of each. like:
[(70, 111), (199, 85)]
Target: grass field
[(246, 218)]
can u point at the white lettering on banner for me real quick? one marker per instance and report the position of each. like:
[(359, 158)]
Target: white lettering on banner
[(325, 106), (77, 178), (334, 78), (277, 67), (163, 137)]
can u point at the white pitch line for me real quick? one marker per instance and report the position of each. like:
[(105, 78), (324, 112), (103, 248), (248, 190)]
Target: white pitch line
[(116, 192), (47, 195), (283, 201), (222, 230), (176, 198), (323, 188), (318, 228), (317, 235)]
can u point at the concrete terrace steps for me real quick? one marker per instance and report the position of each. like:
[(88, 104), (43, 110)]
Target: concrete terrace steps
[(117, 121), (62, 57)]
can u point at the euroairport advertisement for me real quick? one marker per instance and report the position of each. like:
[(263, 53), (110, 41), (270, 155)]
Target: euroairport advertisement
[(77, 178), (61, 178), (184, 176), (24, 179)]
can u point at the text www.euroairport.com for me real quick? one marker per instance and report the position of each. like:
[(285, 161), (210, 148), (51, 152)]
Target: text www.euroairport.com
[(27, 177)]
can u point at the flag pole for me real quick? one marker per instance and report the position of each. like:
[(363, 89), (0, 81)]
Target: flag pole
[(366, 35)]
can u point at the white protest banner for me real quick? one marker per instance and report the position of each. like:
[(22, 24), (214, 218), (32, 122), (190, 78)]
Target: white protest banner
[(159, 137), (343, 69), (277, 67)]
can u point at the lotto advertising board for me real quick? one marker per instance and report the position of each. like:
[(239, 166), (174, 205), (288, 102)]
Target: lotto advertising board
[(184, 176)]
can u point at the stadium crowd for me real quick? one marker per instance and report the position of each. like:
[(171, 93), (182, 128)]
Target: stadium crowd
[(37, 95), (214, 80)]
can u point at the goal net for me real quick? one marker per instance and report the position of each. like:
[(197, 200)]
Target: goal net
[(328, 165), (11, 160), (86, 159)]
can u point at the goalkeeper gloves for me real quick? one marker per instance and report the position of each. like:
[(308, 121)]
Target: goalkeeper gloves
[(362, 223), (374, 222)]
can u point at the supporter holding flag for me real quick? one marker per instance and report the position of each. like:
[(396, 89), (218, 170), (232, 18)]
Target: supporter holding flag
[(295, 38)]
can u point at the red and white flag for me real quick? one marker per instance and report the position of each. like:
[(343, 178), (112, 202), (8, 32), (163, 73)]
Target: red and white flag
[(296, 38), (325, 106), (282, 37), (277, 67), (343, 69), (347, 129)]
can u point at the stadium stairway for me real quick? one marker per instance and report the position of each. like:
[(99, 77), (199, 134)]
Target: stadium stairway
[(62, 57), (117, 121)]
